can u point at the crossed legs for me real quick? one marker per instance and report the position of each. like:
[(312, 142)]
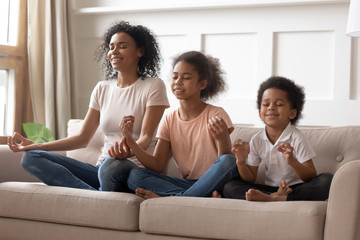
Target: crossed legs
[(315, 190)]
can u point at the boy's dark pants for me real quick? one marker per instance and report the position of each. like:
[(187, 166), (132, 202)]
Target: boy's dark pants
[(315, 190)]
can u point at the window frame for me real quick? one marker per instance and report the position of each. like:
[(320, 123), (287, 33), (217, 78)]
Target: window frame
[(15, 57)]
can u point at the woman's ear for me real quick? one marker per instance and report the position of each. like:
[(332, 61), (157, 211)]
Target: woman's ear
[(140, 52)]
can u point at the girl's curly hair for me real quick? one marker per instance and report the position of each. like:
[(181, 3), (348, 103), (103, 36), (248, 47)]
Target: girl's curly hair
[(295, 94), (209, 69), (149, 63)]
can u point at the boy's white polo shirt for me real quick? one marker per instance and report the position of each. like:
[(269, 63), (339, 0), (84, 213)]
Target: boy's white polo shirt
[(276, 168)]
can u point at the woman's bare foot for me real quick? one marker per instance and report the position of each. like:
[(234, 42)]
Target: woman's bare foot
[(216, 194), (146, 193)]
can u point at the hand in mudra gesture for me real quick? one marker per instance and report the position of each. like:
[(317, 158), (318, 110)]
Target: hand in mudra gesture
[(122, 150), (18, 143)]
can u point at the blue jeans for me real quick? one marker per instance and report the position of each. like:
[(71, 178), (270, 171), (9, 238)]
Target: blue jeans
[(113, 174), (223, 170), (57, 170)]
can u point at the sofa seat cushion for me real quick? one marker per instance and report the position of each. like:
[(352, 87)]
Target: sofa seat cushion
[(213, 218), (38, 202)]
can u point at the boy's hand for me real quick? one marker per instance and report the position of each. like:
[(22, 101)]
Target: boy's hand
[(218, 128), (241, 150), (287, 150)]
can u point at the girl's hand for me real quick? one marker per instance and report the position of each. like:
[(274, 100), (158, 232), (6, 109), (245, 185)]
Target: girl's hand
[(127, 126), (120, 150), (218, 128), (287, 150), (25, 144), (241, 150)]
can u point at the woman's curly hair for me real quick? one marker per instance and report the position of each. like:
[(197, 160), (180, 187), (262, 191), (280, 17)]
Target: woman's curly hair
[(295, 94), (149, 63), (209, 69)]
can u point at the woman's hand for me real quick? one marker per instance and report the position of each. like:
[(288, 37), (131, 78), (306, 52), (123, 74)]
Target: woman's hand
[(120, 150), (241, 150), (127, 126), (25, 144)]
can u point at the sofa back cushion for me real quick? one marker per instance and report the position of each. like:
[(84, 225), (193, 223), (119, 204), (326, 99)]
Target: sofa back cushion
[(92, 152), (334, 146)]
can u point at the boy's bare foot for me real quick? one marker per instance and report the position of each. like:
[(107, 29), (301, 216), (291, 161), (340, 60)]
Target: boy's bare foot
[(256, 195), (284, 189), (146, 193), (216, 194)]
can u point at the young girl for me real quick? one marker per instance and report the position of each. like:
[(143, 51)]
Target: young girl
[(131, 60), (290, 171), (196, 134)]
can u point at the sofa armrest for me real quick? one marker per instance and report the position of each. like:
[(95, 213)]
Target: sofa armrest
[(10, 166), (343, 212), (11, 169)]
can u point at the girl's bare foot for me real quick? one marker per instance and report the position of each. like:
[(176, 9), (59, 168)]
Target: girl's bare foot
[(146, 193), (216, 194)]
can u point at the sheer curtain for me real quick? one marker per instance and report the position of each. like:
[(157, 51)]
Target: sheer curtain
[(49, 63)]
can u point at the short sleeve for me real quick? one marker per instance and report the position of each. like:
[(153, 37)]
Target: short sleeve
[(304, 151), (254, 156), (158, 94), (163, 130), (223, 114), (95, 97)]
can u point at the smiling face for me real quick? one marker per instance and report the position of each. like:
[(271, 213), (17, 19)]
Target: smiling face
[(124, 54), (185, 82), (276, 110)]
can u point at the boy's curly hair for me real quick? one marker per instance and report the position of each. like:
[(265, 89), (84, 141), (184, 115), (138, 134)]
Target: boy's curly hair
[(149, 63), (295, 94), (209, 69)]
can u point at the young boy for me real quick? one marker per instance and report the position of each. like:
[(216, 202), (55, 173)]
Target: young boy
[(290, 171)]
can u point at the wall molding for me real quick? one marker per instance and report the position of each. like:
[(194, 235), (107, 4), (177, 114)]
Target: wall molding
[(300, 39), (165, 5)]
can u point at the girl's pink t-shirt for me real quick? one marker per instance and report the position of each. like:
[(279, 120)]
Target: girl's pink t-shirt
[(192, 144)]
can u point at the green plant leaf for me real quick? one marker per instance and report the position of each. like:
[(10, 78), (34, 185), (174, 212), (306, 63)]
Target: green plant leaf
[(37, 132)]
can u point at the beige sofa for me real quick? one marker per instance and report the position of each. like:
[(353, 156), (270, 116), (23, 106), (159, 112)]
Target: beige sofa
[(30, 210)]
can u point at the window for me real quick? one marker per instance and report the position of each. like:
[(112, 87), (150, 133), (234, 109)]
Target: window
[(6, 101), (15, 106), (9, 16)]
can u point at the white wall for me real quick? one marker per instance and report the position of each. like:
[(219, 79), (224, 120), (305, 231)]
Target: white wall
[(303, 40)]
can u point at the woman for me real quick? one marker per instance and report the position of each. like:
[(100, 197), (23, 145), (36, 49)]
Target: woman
[(131, 90)]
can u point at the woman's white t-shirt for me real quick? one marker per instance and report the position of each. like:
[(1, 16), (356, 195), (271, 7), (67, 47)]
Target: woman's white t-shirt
[(114, 103)]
